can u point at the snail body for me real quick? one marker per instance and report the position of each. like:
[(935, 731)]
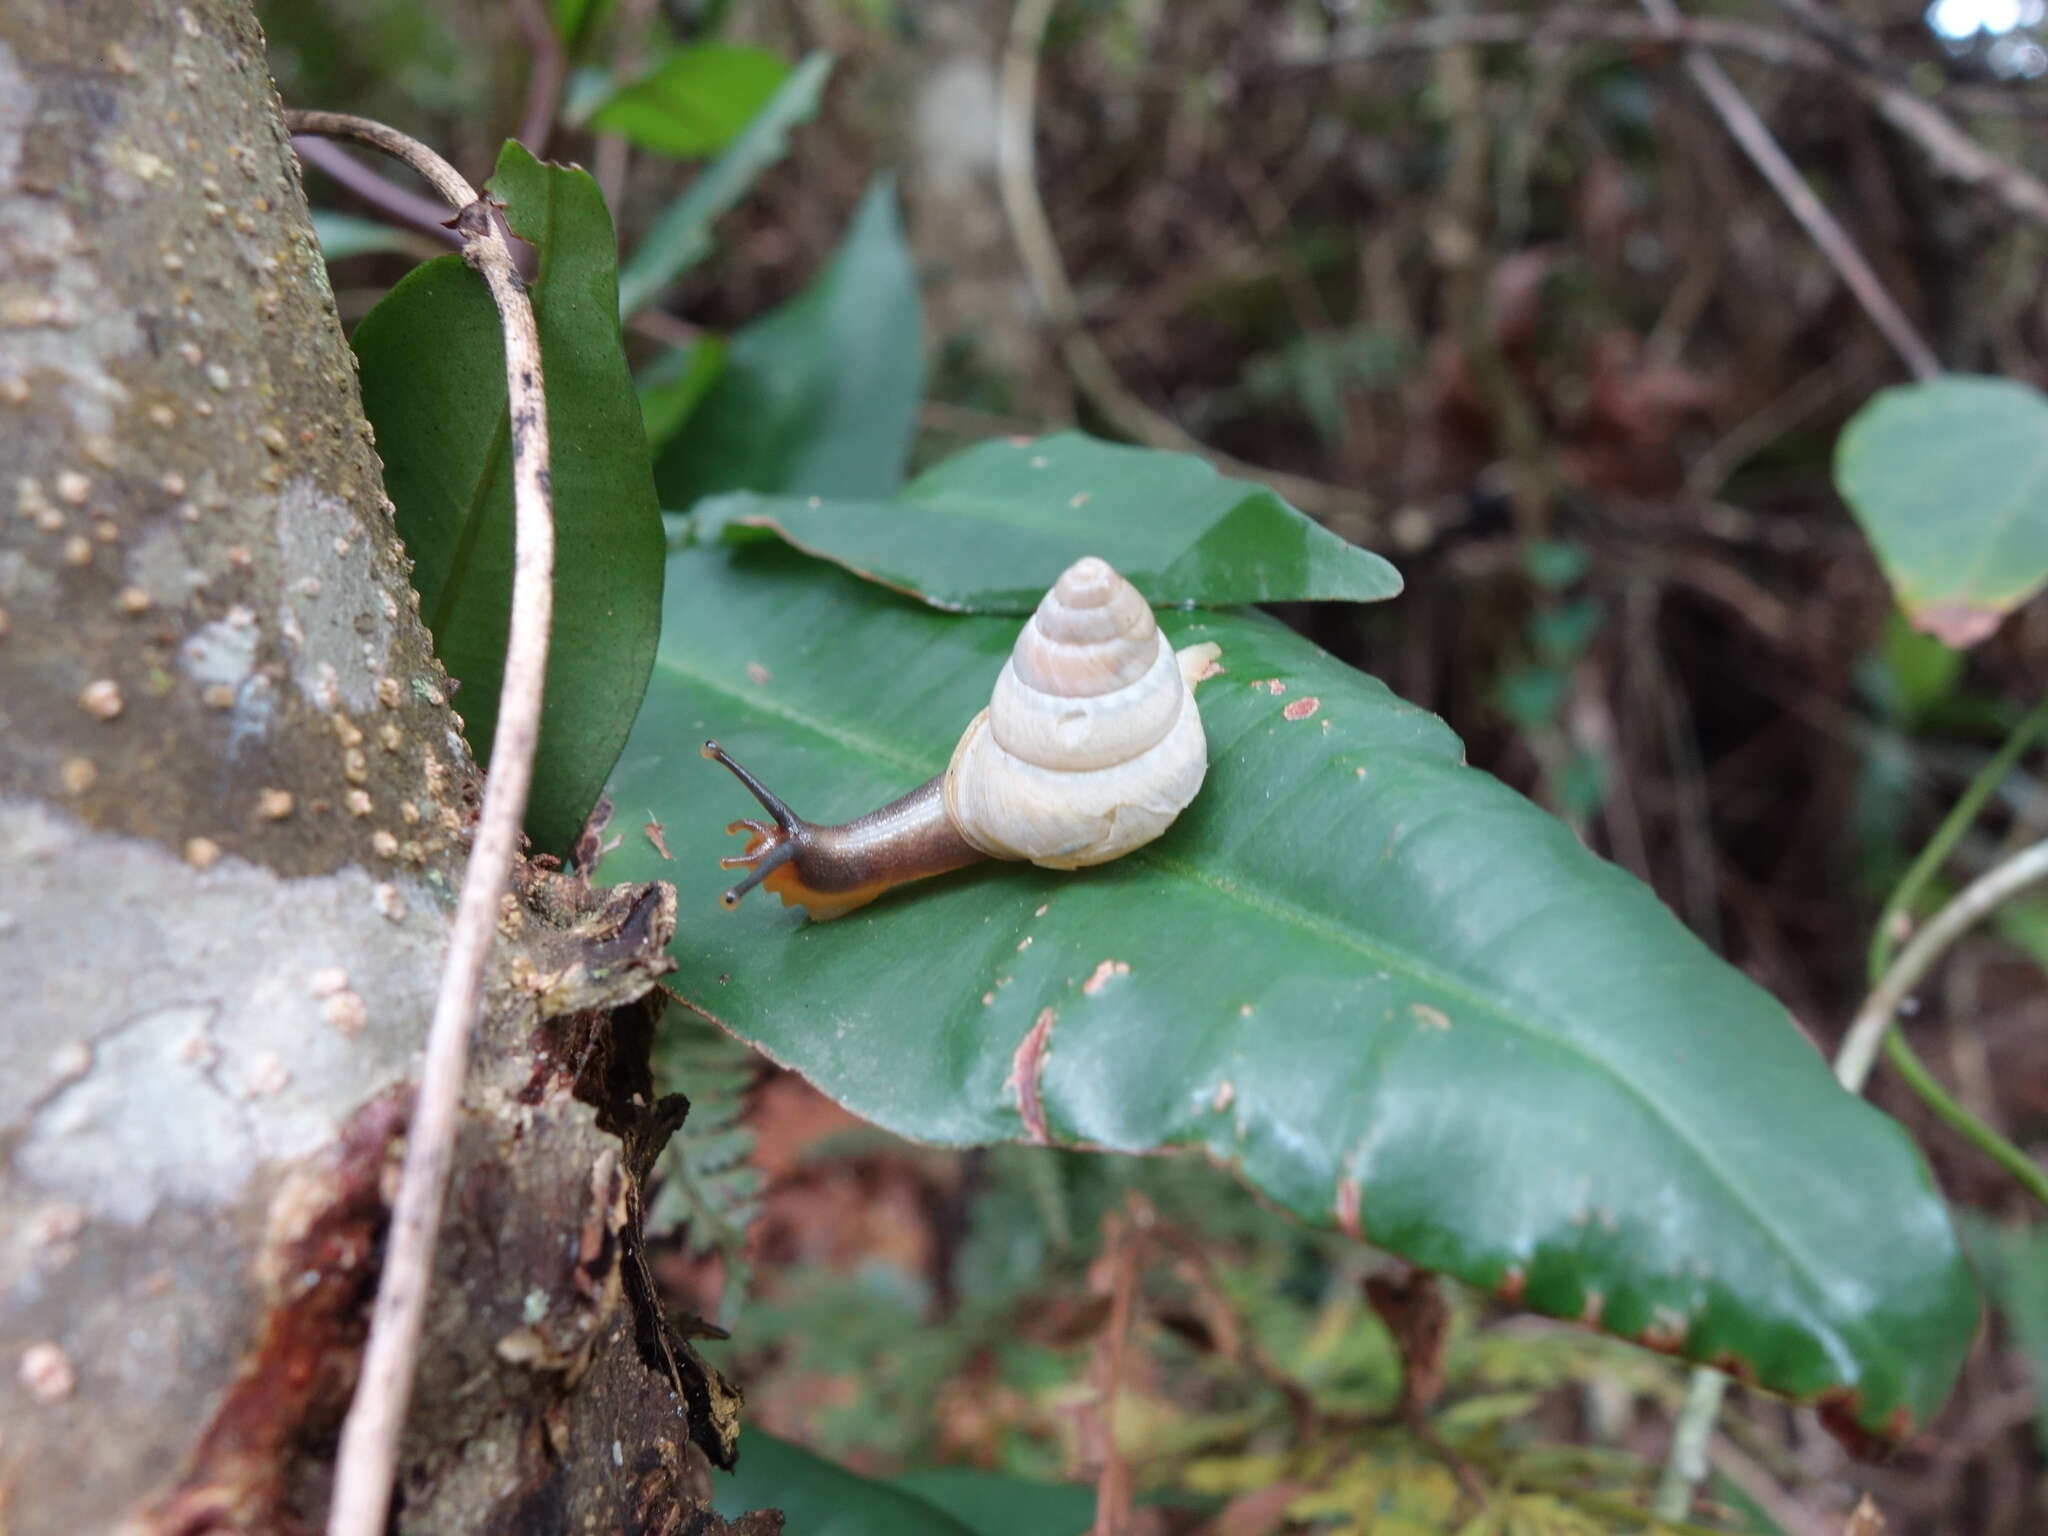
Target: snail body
[(1091, 745)]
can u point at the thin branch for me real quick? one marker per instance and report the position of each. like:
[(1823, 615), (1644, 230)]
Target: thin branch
[(368, 1454), (1952, 152), (399, 204), (1484, 29), (1978, 900), (1749, 131), (1433, 34), (1686, 1466), (1351, 512), (544, 85)]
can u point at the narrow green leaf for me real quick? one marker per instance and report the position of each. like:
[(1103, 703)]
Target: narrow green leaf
[(342, 235), (1391, 993), (821, 1498), (821, 394), (988, 530), (694, 101), (675, 384), (433, 379), (681, 237), (1950, 481)]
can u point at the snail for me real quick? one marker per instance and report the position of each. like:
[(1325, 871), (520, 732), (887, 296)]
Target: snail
[(1091, 745)]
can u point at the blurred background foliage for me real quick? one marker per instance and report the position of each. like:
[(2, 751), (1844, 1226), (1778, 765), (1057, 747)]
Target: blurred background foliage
[(1497, 284)]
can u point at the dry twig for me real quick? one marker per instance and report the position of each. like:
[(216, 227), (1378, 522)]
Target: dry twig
[(1350, 512), (544, 86), (368, 1453), (1748, 130)]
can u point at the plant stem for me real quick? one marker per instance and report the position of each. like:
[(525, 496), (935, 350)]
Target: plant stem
[(1978, 900), (366, 1461), (1748, 130), (1961, 817)]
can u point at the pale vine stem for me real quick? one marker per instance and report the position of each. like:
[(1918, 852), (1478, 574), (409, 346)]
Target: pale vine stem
[(1349, 511), (1872, 1027), (368, 1456), (1748, 130)]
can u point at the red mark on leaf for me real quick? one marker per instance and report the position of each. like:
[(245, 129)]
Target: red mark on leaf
[(1026, 1063), (1302, 707)]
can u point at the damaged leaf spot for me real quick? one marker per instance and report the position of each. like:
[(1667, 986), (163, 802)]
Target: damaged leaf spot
[(1225, 1092), (654, 831), (1302, 707), (1272, 685), (1103, 975), (1428, 1017), (759, 675), (1349, 1209), (1026, 1063)]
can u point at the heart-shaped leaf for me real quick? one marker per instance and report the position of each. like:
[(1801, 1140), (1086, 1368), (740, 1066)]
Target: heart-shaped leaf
[(433, 379), (1393, 994), (988, 530), (822, 392), (1949, 479)]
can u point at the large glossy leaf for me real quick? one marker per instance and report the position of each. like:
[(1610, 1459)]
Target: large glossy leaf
[(1394, 995), (990, 529), (681, 237), (821, 1498), (821, 394), (990, 1504), (695, 100), (433, 378), (1949, 479)]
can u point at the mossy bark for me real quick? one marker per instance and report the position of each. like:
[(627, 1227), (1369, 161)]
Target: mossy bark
[(234, 808)]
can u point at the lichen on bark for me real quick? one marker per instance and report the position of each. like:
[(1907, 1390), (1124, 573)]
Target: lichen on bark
[(234, 804)]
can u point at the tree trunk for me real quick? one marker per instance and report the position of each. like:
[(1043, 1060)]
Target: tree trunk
[(234, 811)]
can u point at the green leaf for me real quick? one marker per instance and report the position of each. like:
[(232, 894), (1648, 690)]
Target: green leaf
[(573, 19), (2014, 1263), (821, 394), (342, 235), (988, 530), (990, 1504), (1391, 993), (675, 384), (1950, 481), (433, 380), (681, 237), (821, 1498), (694, 101)]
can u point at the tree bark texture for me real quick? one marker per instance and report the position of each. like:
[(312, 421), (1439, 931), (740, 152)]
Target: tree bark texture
[(234, 807)]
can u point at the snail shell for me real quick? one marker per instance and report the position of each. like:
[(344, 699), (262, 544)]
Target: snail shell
[(1091, 745)]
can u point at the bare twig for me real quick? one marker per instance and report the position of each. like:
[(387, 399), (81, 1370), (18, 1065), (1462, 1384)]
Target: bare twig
[(1123, 1242), (1433, 34), (544, 85), (613, 151), (369, 1440), (1978, 900), (1350, 512), (399, 204), (1749, 131), (1953, 152)]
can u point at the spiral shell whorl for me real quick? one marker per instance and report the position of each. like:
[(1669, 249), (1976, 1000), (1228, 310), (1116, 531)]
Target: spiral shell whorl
[(1091, 743)]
